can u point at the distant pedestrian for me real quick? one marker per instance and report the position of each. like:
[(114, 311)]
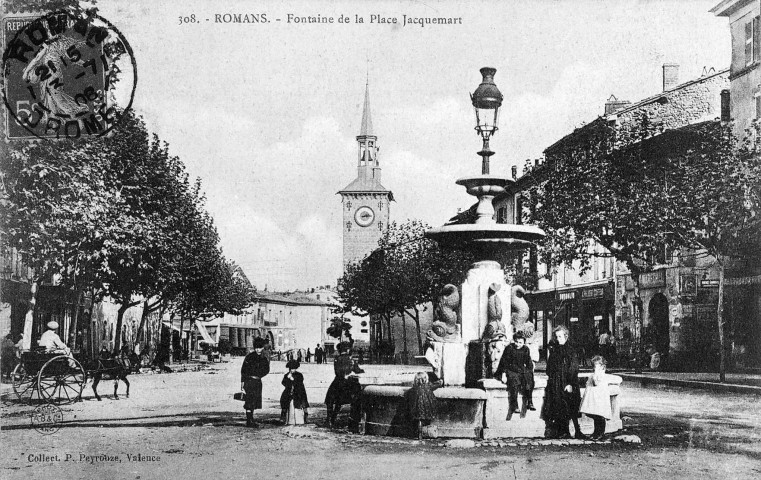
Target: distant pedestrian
[(318, 354), (255, 366), (308, 355), (294, 405), (8, 356), (299, 357), (602, 343), (596, 401), (421, 402)]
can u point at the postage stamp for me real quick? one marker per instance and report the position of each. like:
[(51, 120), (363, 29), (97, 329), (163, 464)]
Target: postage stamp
[(61, 72)]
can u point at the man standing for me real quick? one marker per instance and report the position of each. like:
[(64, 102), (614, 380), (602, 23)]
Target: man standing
[(255, 366)]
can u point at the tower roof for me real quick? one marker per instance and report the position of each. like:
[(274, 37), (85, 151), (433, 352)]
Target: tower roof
[(367, 121)]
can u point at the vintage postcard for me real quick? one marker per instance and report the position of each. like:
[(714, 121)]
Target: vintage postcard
[(380, 239)]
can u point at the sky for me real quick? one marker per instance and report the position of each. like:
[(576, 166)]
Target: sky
[(267, 113)]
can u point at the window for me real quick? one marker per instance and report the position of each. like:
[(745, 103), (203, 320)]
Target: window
[(757, 99), (502, 215), (752, 47), (519, 210)]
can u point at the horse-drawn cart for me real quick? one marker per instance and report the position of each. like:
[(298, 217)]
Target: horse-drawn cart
[(53, 377)]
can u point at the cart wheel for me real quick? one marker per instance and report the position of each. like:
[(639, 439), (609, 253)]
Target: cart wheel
[(23, 384), (61, 380)]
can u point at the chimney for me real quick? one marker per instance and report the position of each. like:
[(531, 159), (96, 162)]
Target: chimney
[(613, 104), (514, 170), (670, 75), (726, 114)]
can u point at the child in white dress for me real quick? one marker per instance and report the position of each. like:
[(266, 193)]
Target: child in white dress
[(596, 401)]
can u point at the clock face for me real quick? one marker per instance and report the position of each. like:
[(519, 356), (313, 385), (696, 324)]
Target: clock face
[(364, 216)]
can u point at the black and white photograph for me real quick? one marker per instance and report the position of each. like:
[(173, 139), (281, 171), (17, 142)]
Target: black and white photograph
[(293, 239)]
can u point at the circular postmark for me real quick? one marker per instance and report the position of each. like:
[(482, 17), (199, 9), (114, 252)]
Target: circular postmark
[(46, 419), (65, 75)]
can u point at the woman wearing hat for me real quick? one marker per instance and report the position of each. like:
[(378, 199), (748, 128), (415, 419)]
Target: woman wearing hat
[(255, 366), (293, 401), (52, 342)]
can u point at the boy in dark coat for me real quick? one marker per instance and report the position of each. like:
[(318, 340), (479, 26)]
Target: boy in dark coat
[(295, 392), (517, 364), (255, 366)]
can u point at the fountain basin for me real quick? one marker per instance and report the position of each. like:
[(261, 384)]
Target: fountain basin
[(469, 412), (484, 184), (505, 236), (460, 412)]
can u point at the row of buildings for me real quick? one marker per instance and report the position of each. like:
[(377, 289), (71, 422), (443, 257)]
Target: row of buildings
[(676, 307), (290, 321)]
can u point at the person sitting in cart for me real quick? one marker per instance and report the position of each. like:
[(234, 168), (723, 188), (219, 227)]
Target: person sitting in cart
[(52, 342)]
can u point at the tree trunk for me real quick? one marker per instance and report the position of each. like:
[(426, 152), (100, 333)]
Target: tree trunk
[(73, 328), (638, 317), (405, 353), (720, 320), (416, 319), (147, 310), (119, 320), (182, 347), (29, 318)]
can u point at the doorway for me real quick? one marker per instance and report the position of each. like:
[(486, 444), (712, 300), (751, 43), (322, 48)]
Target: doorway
[(658, 314)]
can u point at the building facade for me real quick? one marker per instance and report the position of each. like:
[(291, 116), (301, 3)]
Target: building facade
[(745, 74), (676, 295)]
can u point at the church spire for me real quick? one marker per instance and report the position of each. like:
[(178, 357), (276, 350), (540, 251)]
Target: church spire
[(367, 121)]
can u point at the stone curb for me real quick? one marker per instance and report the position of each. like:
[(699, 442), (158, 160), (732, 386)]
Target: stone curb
[(716, 387)]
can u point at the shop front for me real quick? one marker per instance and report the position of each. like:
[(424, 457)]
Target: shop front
[(585, 310)]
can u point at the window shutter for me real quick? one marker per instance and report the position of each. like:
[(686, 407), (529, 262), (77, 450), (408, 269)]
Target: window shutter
[(748, 43), (756, 45)]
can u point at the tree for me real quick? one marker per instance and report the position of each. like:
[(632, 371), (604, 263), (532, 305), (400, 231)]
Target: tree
[(340, 327), (638, 190)]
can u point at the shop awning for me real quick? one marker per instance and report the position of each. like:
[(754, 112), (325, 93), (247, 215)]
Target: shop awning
[(205, 334)]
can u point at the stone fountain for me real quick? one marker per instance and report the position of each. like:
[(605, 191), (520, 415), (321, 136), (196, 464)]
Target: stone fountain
[(473, 321)]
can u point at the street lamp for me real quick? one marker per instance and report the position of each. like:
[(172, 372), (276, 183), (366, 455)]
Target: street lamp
[(486, 101)]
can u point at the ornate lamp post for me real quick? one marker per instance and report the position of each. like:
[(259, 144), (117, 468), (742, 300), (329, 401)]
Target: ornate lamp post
[(486, 101)]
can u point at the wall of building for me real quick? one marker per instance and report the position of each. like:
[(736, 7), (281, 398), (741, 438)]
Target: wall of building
[(359, 241), (745, 79)]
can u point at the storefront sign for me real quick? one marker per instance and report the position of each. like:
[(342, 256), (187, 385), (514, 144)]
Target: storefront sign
[(566, 296), (593, 293), (688, 285), (653, 279)]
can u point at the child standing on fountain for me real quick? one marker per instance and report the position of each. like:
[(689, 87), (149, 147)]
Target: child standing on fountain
[(596, 401), (517, 364), (422, 401)]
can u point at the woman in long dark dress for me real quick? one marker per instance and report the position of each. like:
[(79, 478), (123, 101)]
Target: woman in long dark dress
[(255, 366), (293, 401), (562, 396)]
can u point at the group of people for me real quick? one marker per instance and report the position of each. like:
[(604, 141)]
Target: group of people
[(563, 403), (294, 403), (562, 407)]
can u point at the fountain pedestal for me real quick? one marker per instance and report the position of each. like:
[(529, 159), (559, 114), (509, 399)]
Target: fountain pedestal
[(474, 296)]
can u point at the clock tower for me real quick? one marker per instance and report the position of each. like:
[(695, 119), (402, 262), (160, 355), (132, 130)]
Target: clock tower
[(365, 201)]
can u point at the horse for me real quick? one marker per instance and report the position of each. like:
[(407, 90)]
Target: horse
[(116, 368)]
